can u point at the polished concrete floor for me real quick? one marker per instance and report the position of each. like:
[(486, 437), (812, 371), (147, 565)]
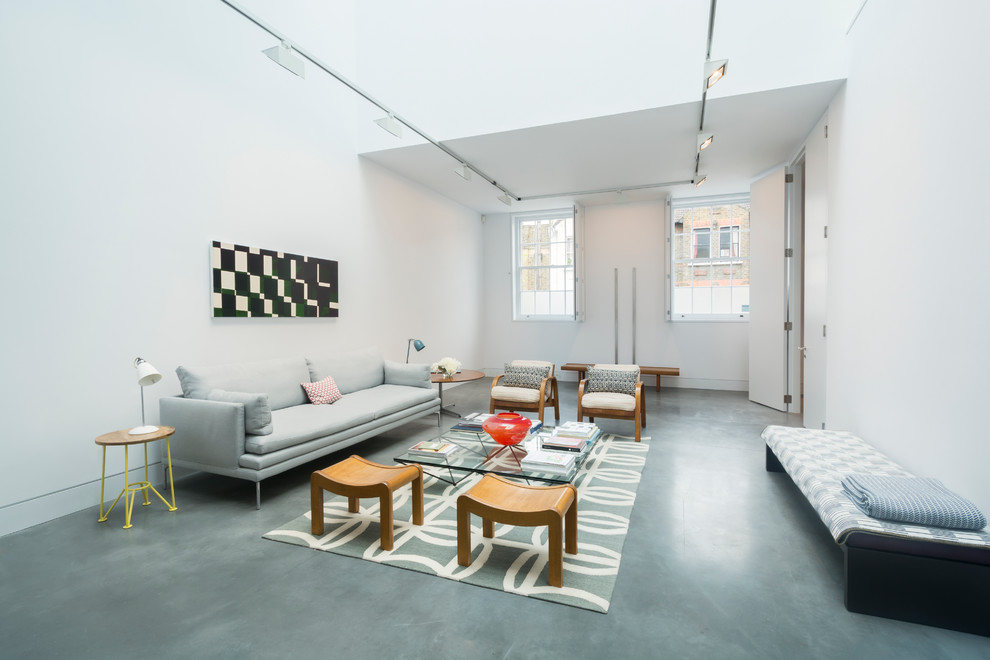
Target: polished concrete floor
[(722, 560)]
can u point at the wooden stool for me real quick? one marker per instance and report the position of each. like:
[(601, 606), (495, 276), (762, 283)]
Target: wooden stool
[(498, 500), (355, 478)]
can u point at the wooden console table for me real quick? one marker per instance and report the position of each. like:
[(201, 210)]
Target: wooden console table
[(582, 367)]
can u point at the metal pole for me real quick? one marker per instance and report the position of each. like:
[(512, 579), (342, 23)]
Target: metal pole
[(616, 316), (634, 316)]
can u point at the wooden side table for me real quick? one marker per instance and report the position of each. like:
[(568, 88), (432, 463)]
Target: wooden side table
[(461, 376), (122, 437)]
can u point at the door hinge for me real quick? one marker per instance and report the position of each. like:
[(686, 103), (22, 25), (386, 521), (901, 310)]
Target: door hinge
[(823, 330), (787, 398), (788, 178), (788, 326), (823, 426), (826, 231), (826, 131), (788, 252)]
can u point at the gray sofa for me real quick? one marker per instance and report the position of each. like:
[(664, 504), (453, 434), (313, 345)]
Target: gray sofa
[(252, 420)]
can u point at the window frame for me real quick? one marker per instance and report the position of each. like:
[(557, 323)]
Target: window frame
[(714, 259), (517, 219)]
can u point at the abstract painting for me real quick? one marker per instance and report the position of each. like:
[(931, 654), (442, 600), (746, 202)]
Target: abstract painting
[(255, 282)]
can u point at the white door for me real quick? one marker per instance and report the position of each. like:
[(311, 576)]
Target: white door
[(815, 274), (767, 291)]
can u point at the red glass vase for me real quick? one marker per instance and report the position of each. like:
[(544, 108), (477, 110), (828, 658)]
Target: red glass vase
[(507, 428)]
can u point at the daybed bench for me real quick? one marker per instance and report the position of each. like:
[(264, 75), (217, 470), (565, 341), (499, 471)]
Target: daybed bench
[(930, 575), (220, 419)]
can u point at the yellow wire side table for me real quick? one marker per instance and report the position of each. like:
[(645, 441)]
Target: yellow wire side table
[(122, 437)]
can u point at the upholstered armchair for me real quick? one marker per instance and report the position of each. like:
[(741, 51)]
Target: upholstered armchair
[(614, 391), (526, 385)]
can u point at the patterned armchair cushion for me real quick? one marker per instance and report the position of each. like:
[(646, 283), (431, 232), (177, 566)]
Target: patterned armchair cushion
[(604, 379), (524, 376)]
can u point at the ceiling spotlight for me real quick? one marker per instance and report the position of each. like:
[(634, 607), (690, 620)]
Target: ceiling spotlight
[(283, 56), (505, 199), (714, 70), (390, 124), (699, 179), (463, 171), (704, 139)]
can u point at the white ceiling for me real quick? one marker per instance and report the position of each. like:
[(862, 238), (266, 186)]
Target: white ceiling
[(753, 133), (570, 95)]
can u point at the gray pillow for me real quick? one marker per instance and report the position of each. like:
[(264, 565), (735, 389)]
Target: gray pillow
[(257, 412), (413, 375), (603, 379), (529, 377)]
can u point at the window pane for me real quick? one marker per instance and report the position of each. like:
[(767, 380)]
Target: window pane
[(558, 302), (744, 244), (543, 231), (702, 275), (526, 280), (682, 246), (721, 300), (542, 279), (740, 215), (740, 299), (682, 300), (545, 255), (527, 303), (542, 303), (701, 300), (527, 232), (557, 279), (702, 243), (722, 215), (569, 280), (527, 257)]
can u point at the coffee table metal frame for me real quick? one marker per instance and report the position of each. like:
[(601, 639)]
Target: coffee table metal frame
[(479, 454)]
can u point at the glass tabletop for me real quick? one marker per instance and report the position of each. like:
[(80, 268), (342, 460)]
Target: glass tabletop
[(477, 453)]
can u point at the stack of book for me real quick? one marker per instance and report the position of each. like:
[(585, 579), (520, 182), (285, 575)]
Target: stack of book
[(472, 422), (554, 462), (581, 430), (561, 443), (436, 448)]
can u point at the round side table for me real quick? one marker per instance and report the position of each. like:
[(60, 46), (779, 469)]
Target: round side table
[(123, 438)]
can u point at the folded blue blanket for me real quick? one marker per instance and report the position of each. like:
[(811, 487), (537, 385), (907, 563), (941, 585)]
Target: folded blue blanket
[(912, 500)]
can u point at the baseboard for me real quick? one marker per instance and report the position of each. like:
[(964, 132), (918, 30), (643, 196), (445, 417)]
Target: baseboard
[(28, 513)]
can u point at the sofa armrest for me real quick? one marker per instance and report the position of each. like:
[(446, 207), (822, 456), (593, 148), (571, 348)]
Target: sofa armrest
[(206, 432), (413, 375)]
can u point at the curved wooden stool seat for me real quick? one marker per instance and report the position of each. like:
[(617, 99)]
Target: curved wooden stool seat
[(354, 478), (495, 499)]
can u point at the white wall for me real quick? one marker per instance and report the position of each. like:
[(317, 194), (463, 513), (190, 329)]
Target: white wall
[(135, 134), (908, 318), (623, 236)]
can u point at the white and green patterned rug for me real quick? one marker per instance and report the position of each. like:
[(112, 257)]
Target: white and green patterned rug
[(515, 560)]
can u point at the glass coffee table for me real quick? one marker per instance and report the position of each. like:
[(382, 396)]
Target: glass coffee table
[(479, 454)]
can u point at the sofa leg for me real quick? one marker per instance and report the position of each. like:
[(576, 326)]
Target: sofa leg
[(257, 495)]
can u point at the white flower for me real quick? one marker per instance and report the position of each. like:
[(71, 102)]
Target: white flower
[(447, 365)]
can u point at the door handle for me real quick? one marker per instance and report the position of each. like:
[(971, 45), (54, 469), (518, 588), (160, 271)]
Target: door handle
[(804, 350)]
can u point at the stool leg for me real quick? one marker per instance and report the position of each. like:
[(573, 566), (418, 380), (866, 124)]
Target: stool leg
[(487, 528), (316, 507), (417, 488), (385, 507), (353, 504), (571, 529), (463, 534), (556, 552)]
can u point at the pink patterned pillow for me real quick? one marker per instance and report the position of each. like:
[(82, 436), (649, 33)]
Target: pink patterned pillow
[(324, 391)]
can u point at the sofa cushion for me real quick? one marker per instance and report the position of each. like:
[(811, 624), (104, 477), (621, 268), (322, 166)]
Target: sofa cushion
[(388, 399), (351, 370), (322, 392), (279, 379), (413, 375), (306, 422), (516, 394), (608, 401), (257, 412)]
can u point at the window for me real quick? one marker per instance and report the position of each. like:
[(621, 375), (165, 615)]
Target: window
[(544, 276), (709, 281)]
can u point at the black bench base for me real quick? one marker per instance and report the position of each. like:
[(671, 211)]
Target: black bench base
[(935, 584)]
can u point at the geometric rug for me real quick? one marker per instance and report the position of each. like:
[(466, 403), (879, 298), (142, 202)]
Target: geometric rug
[(515, 560)]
